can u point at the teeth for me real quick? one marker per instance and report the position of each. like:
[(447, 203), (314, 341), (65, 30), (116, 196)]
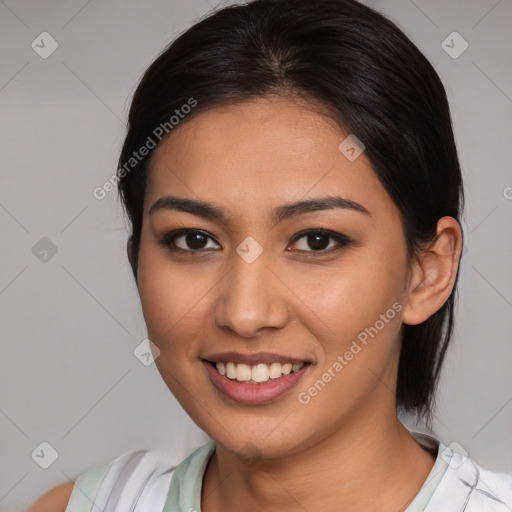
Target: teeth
[(221, 368), (243, 372), (287, 368), (260, 373), (275, 370), (230, 370), (256, 373)]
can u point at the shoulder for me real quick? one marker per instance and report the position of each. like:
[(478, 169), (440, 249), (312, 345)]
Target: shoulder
[(135, 479), (55, 500), (138, 478), (472, 488)]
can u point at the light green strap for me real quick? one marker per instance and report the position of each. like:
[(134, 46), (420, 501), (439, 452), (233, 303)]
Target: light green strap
[(185, 489), (85, 490), (420, 502)]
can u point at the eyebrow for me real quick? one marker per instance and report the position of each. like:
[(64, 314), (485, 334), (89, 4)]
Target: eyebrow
[(288, 211)]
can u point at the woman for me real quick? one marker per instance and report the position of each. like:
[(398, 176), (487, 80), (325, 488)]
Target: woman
[(294, 192)]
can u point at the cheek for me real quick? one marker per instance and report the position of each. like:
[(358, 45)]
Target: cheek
[(176, 299), (173, 310), (358, 294), (171, 295)]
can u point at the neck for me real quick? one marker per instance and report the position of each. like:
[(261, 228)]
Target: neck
[(374, 464)]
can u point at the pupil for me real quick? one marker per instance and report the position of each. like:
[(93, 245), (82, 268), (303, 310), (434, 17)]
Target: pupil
[(195, 240), (318, 242)]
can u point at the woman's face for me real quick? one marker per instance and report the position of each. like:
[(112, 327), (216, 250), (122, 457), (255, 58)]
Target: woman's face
[(265, 282)]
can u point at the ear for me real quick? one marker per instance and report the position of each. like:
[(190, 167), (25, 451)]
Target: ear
[(433, 274), (131, 259)]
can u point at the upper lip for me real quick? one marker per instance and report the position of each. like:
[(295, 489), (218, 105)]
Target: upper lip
[(254, 358)]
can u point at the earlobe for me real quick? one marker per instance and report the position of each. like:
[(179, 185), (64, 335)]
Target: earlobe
[(433, 274)]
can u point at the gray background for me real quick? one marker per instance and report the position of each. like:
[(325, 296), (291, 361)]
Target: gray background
[(69, 324)]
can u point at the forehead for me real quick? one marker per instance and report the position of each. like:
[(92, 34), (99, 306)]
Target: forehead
[(261, 151)]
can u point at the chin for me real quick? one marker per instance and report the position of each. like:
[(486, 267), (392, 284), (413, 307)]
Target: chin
[(257, 444)]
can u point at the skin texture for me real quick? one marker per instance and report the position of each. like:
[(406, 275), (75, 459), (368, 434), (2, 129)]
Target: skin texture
[(344, 449)]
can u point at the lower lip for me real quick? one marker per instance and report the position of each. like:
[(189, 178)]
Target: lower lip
[(254, 393)]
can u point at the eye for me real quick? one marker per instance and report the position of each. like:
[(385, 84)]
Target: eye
[(321, 241), (187, 240)]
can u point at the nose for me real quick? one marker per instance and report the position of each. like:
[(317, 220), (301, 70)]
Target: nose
[(251, 298)]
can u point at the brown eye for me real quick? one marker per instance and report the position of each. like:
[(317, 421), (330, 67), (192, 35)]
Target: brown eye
[(320, 241), (188, 241), (193, 241)]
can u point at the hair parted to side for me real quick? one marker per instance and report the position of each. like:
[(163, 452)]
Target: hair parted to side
[(369, 76)]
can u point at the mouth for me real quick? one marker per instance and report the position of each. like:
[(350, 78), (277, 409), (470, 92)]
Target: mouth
[(254, 379)]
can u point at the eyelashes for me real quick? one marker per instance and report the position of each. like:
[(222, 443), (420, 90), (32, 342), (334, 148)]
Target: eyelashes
[(193, 242)]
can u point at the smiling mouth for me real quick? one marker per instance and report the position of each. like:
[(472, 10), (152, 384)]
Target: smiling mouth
[(255, 374)]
